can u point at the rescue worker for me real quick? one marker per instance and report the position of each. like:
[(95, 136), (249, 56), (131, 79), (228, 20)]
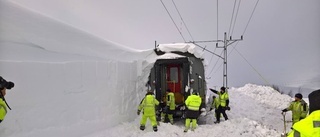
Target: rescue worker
[(4, 85), (169, 108), (215, 105), (193, 103), (309, 126), (148, 104), (3, 106), (298, 107), (223, 103)]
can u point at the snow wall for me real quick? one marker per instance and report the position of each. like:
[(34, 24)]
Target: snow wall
[(57, 95), (65, 78)]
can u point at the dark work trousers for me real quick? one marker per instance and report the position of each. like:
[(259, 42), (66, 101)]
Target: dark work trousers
[(223, 111)]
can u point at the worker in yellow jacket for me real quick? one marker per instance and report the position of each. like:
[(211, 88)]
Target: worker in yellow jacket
[(224, 103), (298, 107), (215, 105), (309, 126), (3, 106), (193, 103), (4, 85), (148, 104), (170, 107)]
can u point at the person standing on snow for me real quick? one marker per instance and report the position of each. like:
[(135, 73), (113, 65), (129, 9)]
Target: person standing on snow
[(298, 107), (309, 126), (193, 103), (3, 106), (4, 85), (224, 103), (170, 107), (148, 104), (215, 105)]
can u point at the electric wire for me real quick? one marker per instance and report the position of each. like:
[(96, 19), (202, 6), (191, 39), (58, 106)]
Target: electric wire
[(234, 47), (251, 17), (173, 20), (217, 38), (216, 65), (234, 6), (182, 19), (265, 80), (260, 75), (217, 19), (234, 23)]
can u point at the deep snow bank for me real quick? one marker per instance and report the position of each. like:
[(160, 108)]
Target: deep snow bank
[(68, 82), (250, 116)]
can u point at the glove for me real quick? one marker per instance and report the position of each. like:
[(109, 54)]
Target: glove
[(158, 112), (183, 107), (227, 108), (284, 110), (210, 109), (138, 112)]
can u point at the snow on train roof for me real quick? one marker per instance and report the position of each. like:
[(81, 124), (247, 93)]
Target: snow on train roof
[(182, 47)]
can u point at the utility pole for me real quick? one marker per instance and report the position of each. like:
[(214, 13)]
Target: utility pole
[(226, 43)]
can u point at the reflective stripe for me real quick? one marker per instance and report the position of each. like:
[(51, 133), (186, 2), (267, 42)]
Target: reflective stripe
[(193, 107), (223, 97), (316, 124), (148, 105), (296, 134)]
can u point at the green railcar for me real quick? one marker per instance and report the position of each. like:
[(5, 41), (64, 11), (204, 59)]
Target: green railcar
[(182, 73)]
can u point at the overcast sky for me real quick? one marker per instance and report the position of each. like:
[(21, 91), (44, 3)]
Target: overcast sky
[(281, 43)]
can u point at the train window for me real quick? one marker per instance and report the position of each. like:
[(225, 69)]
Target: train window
[(174, 74)]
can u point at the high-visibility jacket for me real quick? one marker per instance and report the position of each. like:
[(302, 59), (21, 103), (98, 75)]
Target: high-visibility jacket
[(215, 103), (171, 101), (308, 127), (223, 97), (193, 102), (299, 110), (148, 105), (3, 109)]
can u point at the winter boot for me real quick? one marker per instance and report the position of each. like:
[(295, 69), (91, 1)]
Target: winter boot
[(186, 130), (216, 122), (142, 127), (155, 128)]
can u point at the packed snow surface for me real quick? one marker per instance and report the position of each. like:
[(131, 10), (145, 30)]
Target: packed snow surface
[(69, 83)]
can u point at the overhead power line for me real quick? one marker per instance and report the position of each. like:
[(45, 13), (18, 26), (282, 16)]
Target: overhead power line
[(235, 20), (217, 19), (173, 20), (250, 17), (182, 19), (234, 6), (264, 79)]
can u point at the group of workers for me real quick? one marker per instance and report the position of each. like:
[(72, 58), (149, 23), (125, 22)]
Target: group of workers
[(192, 105), (302, 125)]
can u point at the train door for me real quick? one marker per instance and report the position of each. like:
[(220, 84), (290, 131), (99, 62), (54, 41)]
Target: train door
[(173, 77), (174, 81)]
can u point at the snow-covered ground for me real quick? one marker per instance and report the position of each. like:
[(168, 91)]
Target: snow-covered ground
[(69, 83), (255, 112)]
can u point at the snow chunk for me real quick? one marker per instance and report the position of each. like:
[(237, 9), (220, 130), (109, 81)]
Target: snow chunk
[(266, 95), (182, 47)]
